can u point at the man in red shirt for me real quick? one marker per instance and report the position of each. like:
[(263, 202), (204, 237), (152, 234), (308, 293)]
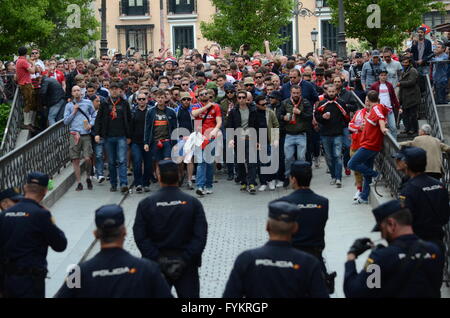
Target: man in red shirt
[(55, 73), (370, 145), (24, 69), (209, 116)]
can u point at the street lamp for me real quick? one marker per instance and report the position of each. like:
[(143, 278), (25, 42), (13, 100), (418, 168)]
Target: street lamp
[(299, 10), (103, 41), (342, 48), (314, 34)]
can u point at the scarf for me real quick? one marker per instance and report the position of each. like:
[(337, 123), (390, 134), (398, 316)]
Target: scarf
[(296, 106), (113, 113), (344, 113)]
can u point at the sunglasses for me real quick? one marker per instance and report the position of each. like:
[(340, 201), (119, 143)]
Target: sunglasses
[(229, 92), (186, 99), (258, 77), (184, 84), (242, 97), (177, 78), (204, 94), (141, 99)]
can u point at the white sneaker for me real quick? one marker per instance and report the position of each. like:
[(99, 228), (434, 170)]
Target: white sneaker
[(279, 184), (262, 188), (333, 182), (339, 183), (101, 179), (272, 185), (209, 191), (317, 162), (360, 201), (356, 195)]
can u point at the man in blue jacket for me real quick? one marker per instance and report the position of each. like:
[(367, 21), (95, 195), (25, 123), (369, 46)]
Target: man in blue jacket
[(308, 90)]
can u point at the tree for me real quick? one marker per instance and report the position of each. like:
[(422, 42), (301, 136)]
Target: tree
[(397, 19), (250, 22), (44, 23)]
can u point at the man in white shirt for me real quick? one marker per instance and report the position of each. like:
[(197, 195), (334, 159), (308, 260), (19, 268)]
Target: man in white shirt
[(393, 67)]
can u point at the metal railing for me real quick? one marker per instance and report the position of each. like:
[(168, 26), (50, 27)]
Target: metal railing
[(13, 126), (47, 152), (430, 110)]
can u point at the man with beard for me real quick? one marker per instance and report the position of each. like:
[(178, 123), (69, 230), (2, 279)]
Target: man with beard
[(409, 267), (355, 76)]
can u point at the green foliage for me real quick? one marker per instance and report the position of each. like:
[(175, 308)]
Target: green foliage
[(43, 23), (397, 19), (4, 114), (248, 22)]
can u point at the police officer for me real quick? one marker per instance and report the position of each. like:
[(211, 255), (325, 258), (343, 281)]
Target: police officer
[(312, 217), (26, 231), (9, 198), (426, 197), (170, 228), (277, 270), (113, 272), (407, 268)]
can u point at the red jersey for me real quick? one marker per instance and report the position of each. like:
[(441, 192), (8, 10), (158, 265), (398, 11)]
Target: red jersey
[(355, 127), (372, 137), (57, 75), (210, 122), (23, 76)]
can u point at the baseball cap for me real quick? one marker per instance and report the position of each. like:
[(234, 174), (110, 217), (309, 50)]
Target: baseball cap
[(375, 53), (358, 55), (10, 193), (167, 165), (249, 80), (385, 210), (109, 216), (38, 178), (300, 167), (283, 211), (413, 156), (229, 87), (185, 95), (277, 95)]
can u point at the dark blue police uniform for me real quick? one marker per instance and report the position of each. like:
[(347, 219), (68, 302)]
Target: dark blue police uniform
[(170, 225), (26, 232), (276, 270), (113, 272), (407, 268)]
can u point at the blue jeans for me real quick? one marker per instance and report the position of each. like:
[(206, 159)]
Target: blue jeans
[(441, 92), (140, 156), (205, 170), (99, 166), (116, 147), (53, 112), (392, 124), (346, 143), (362, 161), (332, 146), (265, 178), (294, 144)]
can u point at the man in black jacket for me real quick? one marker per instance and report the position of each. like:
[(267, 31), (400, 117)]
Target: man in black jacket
[(333, 116), (244, 120), (52, 95), (113, 124)]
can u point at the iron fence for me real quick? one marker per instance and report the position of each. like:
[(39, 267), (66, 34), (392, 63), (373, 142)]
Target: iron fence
[(13, 125), (47, 152)]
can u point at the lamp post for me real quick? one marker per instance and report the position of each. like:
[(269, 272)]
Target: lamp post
[(299, 10), (314, 34), (342, 43), (103, 41)]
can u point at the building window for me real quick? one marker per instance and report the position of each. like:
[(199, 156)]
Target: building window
[(183, 37), (181, 6), (435, 18), (134, 7), (329, 35), (288, 46), (137, 40)]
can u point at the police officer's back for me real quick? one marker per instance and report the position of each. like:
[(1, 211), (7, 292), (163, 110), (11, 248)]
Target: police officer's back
[(313, 215), (9, 198), (113, 272), (26, 232), (171, 228), (407, 268), (425, 196), (277, 270)]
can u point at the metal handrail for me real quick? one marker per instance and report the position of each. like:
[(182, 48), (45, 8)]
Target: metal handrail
[(12, 129), (431, 111), (47, 152)]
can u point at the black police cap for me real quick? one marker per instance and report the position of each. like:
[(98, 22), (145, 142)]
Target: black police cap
[(10, 193), (167, 165), (412, 155), (385, 210), (38, 178), (109, 216), (300, 167), (283, 211)]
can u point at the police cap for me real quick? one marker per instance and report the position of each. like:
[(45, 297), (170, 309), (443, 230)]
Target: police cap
[(276, 95), (38, 178), (413, 156), (300, 167), (109, 216), (283, 211), (384, 210), (10, 193), (167, 165)]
